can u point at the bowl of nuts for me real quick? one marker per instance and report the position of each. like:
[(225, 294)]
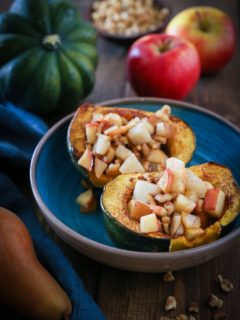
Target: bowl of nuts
[(129, 19)]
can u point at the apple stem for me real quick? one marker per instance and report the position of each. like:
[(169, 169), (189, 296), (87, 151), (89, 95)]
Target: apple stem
[(202, 22)]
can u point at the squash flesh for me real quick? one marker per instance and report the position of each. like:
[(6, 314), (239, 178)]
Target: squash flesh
[(118, 192)]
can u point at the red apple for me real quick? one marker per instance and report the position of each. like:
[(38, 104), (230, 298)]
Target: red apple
[(210, 30), (160, 65), (166, 181)]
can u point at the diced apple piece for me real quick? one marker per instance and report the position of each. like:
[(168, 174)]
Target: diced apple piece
[(119, 131), (114, 118), (99, 167), (131, 165), (87, 201), (139, 134), (194, 183), (109, 156), (190, 221), (148, 125), (149, 223), (139, 209), (193, 233), (214, 202), (175, 223), (175, 164), (180, 230), (178, 168), (192, 195), (102, 144), (164, 129), (97, 116), (164, 112), (182, 203), (208, 185), (143, 188), (157, 156), (91, 130), (122, 152), (110, 129), (86, 160), (166, 181)]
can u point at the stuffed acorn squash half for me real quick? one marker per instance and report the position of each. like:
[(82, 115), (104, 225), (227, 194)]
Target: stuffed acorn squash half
[(107, 141), (175, 209)]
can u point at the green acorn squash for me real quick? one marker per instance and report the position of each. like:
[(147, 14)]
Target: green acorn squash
[(125, 231), (47, 56), (181, 145)]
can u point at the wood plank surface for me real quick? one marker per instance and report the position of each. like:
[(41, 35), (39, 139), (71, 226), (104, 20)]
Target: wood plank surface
[(126, 295)]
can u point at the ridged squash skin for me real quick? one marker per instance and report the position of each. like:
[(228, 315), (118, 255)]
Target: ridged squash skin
[(181, 145), (125, 232), (47, 56)]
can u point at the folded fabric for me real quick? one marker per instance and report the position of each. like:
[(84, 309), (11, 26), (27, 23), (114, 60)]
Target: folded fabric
[(19, 134)]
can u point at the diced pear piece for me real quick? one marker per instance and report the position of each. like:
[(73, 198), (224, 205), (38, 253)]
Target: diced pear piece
[(166, 181), (143, 188), (91, 130), (182, 203), (102, 144), (178, 168), (109, 156), (191, 221), (110, 129), (122, 152), (99, 167), (194, 183), (175, 223), (87, 201), (131, 165), (147, 125), (164, 129), (86, 160), (149, 223), (139, 209), (139, 134), (214, 202), (192, 195), (157, 156)]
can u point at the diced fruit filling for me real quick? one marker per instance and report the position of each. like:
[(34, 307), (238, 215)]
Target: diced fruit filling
[(115, 145), (175, 202)]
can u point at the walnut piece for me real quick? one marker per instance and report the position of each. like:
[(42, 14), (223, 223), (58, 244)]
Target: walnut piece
[(225, 284), (214, 301), (171, 303), (193, 307)]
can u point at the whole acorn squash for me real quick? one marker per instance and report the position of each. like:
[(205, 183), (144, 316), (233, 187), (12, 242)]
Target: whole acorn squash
[(125, 231), (47, 56), (181, 145)]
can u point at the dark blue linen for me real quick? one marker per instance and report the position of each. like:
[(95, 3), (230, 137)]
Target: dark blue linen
[(19, 133)]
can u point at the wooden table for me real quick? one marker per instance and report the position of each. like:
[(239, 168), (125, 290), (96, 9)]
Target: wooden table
[(126, 295)]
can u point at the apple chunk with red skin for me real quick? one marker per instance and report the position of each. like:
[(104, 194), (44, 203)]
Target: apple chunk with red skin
[(150, 223), (166, 181), (86, 160), (210, 30), (214, 202), (160, 65)]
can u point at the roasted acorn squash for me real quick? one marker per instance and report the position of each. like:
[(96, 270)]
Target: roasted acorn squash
[(125, 231), (181, 145), (47, 56)]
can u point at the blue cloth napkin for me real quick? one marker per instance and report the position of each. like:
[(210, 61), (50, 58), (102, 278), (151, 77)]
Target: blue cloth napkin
[(19, 133)]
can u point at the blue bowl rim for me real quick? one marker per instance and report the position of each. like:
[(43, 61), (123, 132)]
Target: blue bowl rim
[(99, 247)]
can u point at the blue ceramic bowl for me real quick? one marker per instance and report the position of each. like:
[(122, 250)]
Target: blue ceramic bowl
[(56, 184)]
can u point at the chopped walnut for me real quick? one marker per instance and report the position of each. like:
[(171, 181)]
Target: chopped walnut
[(171, 303), (219, 316), (193, 307), (225, 284), (168, 276), (214, 301)]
